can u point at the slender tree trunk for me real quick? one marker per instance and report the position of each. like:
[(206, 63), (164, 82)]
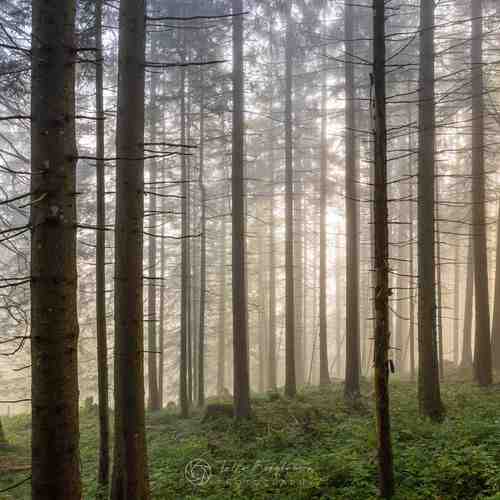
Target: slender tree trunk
[(352, 230), (382, 334), (439, 291), (130, 474), (161, 326), (54, 322), (241, 376), (203, 254), (262, 297), (466, 362), (3, 439), (428, 373), (456, 304), (482, 352), (324, 376), (185, 302), (221, 330), (411, 212), (299, 283), (102, 341), (290, 381), (153, 393), (495, 334)]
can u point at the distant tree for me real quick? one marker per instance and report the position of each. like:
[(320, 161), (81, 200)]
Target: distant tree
[(54, 324)]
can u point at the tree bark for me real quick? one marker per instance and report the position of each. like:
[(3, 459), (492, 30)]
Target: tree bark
[(102, 341), (428, 373), (290, 381), (482, 351), (495, 334), (241, 376), (130, 475), (382, 334), (54, 323), (466, 360), (352, 231)]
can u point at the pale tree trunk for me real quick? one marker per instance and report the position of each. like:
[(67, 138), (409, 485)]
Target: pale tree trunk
[(153, 393), (495, 334), (439, 288), (262, 297), (352, 365), (161, 325), (130, 474), (466, 360), (54, 323), (102, 341), (221, 329), (324, 375), (203, 254), (482, 351), (456, 304), (241, 375), (290, 381), (382, 334), (299, 283), (429, 393)]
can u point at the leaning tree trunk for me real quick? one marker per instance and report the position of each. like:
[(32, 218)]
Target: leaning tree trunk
[(428, 372), (54, 323), (130, 476), (102, 340), (381, 248), (482, 351), (352, 219), (290, 382), (241, 375)]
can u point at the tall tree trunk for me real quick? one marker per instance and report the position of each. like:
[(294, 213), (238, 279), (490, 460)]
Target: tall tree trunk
[(324, 376), (299, 283), (161, 325), (54, 322), (262, 297), (203, 254), (102, 341), (185, 272), (153, 393), (411, 211), (382, 334), (429, 393), (482, 351), (439, 288), (290, 382), (130, 475), (456, 304), (221, 329), (466, 360), (351, 207), (495, 334), (241, 375)]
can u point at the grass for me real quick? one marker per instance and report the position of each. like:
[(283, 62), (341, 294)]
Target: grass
[(314, 447)]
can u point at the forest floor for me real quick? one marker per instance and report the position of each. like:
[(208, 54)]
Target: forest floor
[(315, 447)]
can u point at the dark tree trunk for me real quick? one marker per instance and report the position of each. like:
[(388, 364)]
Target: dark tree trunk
[(102, 341), (290, 382), (352, 237), (3, 439), (241, 376), (324, 375), (54, 323), (130, 475), (428, 372), (382, 334), (482, 351)]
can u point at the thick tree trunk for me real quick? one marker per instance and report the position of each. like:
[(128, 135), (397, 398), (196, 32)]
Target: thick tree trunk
[(54, 323), (428, 372), (290, 381), (351, 208), (241, 375), (324, 375), (130, 475), (382, 334), (482, 351), (102, 341)]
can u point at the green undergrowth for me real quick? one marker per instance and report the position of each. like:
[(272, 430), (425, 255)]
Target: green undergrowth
[(314, 447)]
